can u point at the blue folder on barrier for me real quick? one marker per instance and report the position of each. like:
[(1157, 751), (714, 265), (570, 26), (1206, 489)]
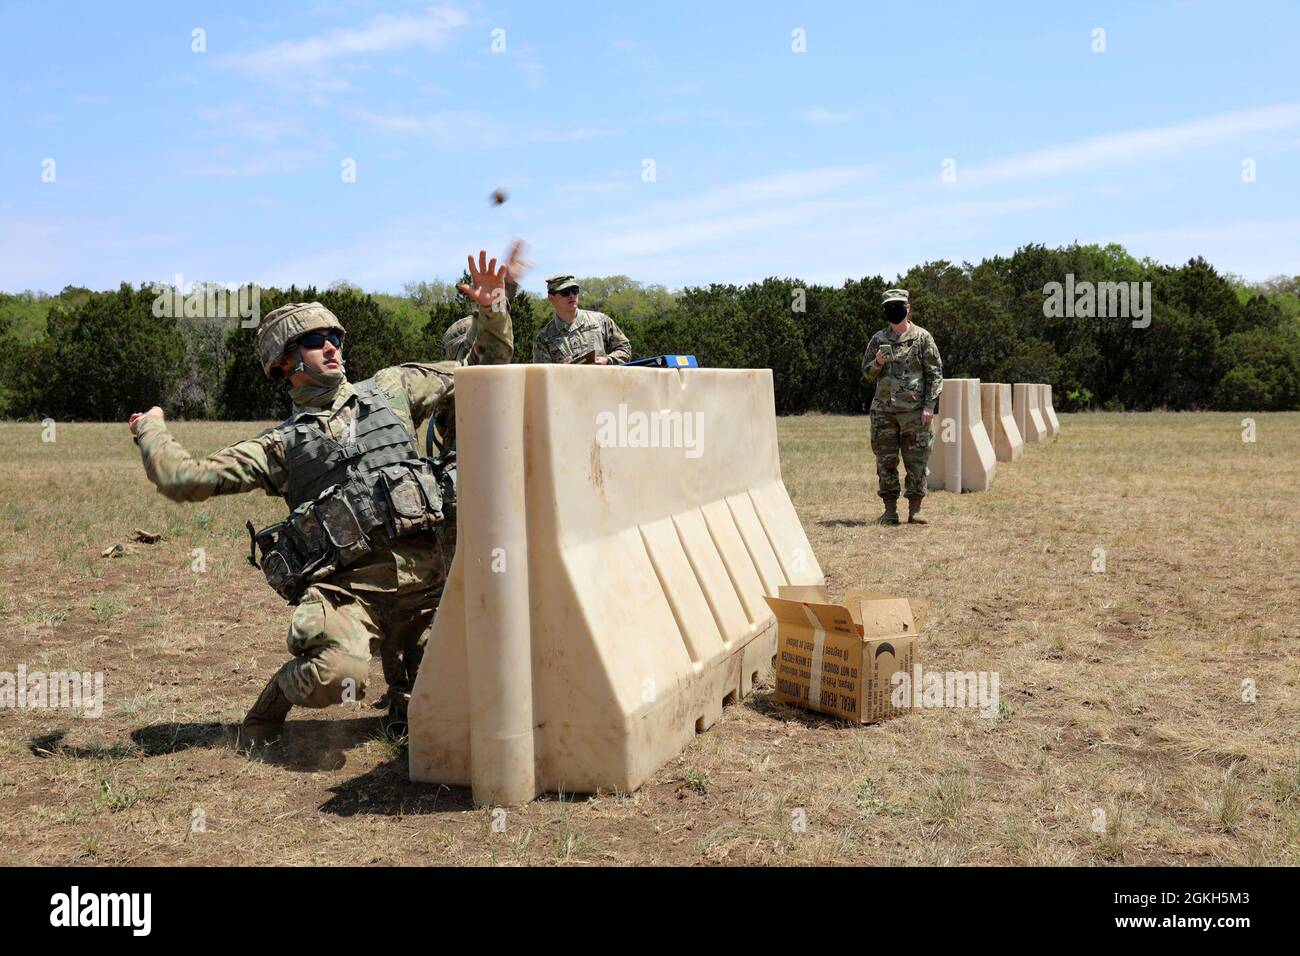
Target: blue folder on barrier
[(668, 361)]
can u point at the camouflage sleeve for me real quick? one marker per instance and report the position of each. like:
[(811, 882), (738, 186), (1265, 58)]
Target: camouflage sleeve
[(428, 386), (493, 336), (244, 466), (933, 367), (617, 346), (870, 370), (540, 355)]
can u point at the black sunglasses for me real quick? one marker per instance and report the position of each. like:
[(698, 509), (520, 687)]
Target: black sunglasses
[(317, 340), (573, 291)]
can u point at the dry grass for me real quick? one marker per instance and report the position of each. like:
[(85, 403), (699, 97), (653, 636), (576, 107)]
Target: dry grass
[(1124, 737)]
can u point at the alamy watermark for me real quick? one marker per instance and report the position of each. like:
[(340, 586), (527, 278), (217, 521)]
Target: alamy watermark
[(1098, 300), (658, 429), (75, 908), (933, 689), (39, 691), (208, 300)]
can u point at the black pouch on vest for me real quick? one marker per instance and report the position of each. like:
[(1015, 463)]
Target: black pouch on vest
[(308, 532), (343, 526), (281, 562), (408, 508), (431, 487)]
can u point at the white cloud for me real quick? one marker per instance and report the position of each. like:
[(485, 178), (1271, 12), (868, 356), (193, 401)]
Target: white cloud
[(1137, 146), (1199, 235), (821, 224), (52, 252), (468, 128), (821, 116), (292, 60), (380, 258), (270, 163), (236, 119)]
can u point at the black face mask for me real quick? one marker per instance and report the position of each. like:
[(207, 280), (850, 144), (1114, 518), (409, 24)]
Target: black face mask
[(895, 312)]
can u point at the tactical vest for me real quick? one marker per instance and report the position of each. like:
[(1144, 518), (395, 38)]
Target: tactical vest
[(342, 496)]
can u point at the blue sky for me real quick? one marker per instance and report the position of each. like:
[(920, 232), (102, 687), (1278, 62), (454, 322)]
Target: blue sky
[(226, 165)]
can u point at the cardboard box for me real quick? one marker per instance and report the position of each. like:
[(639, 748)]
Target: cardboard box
[(848, 652)]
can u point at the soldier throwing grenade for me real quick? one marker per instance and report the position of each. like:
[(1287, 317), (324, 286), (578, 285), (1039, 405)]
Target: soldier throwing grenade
[(365, 550), (903, 363)]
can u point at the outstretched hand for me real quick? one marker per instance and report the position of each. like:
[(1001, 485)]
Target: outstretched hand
[(154, 412), (485, 279)]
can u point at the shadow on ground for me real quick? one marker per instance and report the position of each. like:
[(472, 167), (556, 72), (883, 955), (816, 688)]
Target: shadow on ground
[(304, 746), (773, 709), (845, 522), (385, 790)]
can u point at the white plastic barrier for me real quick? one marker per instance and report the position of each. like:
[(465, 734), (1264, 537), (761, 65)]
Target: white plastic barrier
[(961, 457), (1050, 420), (1000, 421), (1029, 419), (618, 530)]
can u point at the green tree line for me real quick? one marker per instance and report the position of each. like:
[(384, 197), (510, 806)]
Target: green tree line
[(1213, 341)]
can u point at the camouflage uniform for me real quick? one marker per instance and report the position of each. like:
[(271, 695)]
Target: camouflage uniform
[(589, 331), (388, 597), (910, 382)]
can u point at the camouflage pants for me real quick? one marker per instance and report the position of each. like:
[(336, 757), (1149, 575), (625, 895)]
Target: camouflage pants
[(895, 432), (388, 604)]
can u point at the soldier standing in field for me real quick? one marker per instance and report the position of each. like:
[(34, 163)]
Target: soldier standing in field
[(903, 363), (364, 552), (574, 331)]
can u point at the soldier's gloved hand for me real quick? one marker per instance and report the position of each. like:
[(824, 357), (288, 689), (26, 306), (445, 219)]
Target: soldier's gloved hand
[(154, 412)]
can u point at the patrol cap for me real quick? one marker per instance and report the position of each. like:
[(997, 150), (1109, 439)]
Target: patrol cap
[(894, 295), (287, 324), (560, 282)]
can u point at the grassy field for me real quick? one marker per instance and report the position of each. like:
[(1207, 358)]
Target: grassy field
[(1150, 711)]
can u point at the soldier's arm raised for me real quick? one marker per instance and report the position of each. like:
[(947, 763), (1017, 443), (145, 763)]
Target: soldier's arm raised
[(493, 336), (491, 333), (244, 466)]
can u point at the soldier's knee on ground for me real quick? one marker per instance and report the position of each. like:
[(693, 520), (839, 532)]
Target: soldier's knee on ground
[(321, 680), (331, 655)]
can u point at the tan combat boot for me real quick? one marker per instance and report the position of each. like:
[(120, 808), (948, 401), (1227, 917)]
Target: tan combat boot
[(891, 511), (914, 511)]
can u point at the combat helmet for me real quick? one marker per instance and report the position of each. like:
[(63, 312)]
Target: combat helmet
[(455, 337), (286, 325)]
